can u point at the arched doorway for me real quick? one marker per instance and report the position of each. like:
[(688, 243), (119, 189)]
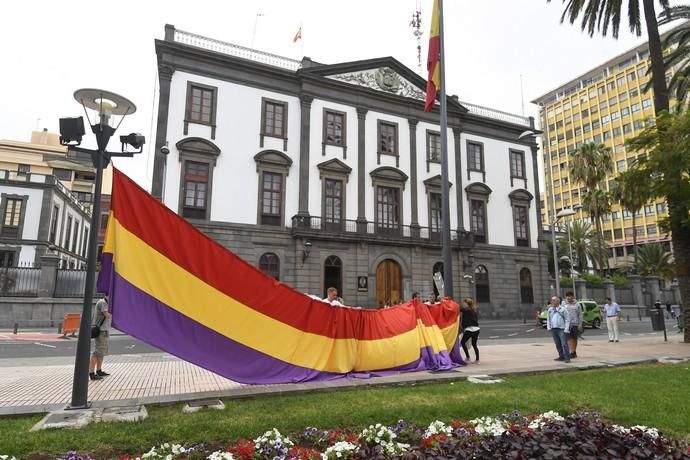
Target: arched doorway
[(526, 292), (333, 274), (388, 283)]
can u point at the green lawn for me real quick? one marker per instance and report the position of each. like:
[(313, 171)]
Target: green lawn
[(652, 395)]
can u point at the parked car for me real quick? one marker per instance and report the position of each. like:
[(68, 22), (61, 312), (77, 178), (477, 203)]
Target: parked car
[(591, 314)]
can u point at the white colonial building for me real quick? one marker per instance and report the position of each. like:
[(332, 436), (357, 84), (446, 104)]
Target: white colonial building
[(40, 216), (330, 175)]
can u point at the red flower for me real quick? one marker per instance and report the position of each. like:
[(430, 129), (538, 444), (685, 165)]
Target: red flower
[(304, 453), (244, 449), (434, 440)]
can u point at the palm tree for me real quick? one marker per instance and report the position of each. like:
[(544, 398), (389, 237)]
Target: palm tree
[(629, 190), (588, 246), (678, 41), (602, 14), (589, 165), (654, 259)]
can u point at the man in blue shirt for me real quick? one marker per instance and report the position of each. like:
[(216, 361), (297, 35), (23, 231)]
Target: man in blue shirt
[(558, 322), (613, 312)]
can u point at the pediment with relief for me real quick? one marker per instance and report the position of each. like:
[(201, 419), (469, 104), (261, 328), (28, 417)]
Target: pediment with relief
[(382, 79)]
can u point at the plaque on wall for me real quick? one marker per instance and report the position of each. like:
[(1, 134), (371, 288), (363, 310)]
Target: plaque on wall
[(362, 284)]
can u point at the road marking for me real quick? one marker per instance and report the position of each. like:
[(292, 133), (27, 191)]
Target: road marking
[(627, 333), (44, 345), (513, 334), (530, 330), (495, 337)]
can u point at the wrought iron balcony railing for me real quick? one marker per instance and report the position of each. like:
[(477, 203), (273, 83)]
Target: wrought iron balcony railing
[(374, 231)]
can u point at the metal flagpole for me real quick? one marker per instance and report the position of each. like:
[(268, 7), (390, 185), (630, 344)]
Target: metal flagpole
[(445, 187)]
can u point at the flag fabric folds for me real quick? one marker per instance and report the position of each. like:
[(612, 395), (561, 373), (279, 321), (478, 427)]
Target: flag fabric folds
[(298, 35), (433, 64), (177, 289)]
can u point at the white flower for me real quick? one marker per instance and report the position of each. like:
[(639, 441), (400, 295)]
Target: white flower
[(339, 450), (220, 455), (6, 457), (437, 427)]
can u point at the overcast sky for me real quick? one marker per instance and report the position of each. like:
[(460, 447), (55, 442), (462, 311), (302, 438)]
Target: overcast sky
[(51, 48)]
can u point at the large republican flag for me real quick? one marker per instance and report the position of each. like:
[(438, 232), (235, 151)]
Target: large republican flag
[(177, 289), (433, 60)]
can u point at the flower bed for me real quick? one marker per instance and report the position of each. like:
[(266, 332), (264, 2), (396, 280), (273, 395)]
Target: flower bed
[(548, 435)]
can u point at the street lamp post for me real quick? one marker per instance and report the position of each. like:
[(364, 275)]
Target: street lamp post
[(106, 104), (566, 213)]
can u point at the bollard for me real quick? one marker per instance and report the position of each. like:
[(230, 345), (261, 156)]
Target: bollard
[(16, 328), (627, 318)]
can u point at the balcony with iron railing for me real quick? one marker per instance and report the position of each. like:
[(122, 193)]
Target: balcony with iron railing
[(389, 233)]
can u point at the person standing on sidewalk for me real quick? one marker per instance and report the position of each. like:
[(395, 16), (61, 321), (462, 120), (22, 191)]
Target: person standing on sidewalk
[(576, 326), (613, 311), (470, 328), (102, 319), (558, 323)]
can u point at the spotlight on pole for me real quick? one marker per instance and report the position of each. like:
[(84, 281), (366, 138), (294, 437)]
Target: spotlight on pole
[(106, 105)]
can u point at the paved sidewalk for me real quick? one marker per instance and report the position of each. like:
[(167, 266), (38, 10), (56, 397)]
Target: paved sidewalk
[(33, 385)]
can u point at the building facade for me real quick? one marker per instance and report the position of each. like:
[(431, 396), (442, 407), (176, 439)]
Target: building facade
[(330, 175), (607, 105), (45, 202), (41, 216)]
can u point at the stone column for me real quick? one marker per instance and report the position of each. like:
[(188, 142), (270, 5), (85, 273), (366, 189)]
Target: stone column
[(610, 289), (580, 288), (46, 284), (653, 288), (303, 197), (636, 286), (361, 170), (160, 159), (458, 175), (676, 293), (414, 225)]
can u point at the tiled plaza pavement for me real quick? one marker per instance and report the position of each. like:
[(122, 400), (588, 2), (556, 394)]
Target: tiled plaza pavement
[(30, 385)]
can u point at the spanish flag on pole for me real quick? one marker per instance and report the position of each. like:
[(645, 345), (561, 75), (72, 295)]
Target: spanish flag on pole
[(433, 62)]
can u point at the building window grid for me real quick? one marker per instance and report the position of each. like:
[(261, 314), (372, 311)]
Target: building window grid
[(196, 176), (388, 209), (478, 220), (475, 159), (333, 203), (388, 141), (271, 198), (12, 218)]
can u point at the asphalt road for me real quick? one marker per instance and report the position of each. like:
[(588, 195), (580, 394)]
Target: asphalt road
[(494, 330)]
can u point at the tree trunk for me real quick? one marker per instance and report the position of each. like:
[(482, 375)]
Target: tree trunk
[(656, 55), (634, 241), (681, 253)]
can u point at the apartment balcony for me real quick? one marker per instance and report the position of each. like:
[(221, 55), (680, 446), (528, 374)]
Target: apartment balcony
[(373, 232)]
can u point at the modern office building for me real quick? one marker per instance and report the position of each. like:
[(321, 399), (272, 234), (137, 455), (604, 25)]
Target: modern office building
[(330, 175), (606, 105)]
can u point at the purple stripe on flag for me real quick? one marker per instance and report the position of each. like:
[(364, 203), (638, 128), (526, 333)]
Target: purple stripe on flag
[(142, 316), (105, 275)]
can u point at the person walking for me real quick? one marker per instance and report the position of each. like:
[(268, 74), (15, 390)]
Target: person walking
[(558, 323), (613, 311), (102, 319), (576, 318), (470, 328)]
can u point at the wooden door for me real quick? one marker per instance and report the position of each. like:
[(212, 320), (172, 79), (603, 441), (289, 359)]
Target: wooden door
[(388, 283)]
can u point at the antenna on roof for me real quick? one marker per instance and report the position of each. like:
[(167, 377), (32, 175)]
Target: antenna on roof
[(256, 19), (416, 24)]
